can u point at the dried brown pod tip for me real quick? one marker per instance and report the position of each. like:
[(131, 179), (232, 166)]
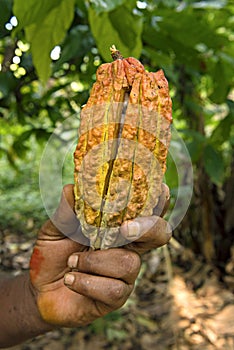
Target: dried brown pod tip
[(115, 54)]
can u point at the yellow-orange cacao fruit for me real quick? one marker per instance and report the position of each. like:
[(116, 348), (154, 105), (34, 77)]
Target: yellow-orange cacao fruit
[(121, 154)]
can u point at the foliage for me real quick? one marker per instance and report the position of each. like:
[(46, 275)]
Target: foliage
[(193, 41), (21, 206)]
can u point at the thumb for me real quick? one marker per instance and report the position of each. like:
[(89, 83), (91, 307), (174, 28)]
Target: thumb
[(64, 217), (163, 202), (64, 221)]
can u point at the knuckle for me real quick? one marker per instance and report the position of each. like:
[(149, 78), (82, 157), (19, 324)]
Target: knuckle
[(131, 263), (88, 260), (117, 294), (162, 232)]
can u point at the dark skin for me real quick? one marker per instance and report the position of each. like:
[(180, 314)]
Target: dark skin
[(70, 285)]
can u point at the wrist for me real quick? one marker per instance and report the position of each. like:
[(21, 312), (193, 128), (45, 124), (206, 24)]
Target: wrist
[(20, 319), (39, 324)]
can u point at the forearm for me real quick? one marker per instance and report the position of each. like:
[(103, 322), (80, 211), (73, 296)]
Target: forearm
[(19, 316)]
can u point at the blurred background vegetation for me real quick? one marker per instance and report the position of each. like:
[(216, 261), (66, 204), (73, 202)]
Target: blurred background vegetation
[(49, 53)]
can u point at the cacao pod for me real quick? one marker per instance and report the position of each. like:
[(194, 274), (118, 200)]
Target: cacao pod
[(120, 158)]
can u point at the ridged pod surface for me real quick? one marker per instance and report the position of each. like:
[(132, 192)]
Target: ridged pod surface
[(120, 158)]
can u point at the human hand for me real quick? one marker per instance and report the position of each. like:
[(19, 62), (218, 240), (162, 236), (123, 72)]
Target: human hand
[(74, 285)]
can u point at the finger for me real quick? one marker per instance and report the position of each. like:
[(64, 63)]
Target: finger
[(64, 220), (110, 291), (146, 233), (163, 202), (115, 263)]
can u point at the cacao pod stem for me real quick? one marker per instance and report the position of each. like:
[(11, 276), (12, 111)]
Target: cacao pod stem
[(115, 54)]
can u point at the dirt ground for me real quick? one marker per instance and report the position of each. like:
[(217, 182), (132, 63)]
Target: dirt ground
[(179, 303)]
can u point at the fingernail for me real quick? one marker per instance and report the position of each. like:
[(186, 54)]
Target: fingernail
[(73, 261), (69, 279), (133, 229)]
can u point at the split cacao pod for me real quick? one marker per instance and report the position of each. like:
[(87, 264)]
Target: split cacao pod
[(120, 158)]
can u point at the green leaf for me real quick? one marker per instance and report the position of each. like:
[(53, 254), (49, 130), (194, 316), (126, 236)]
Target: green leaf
[(223, 130), (105, 6), (43, 36), (195, 142), (41, 134), (216, 4), (190, 28), (19, 149), (158, 58), (127, 25), (32, 11), (195, 150), (163, 41), (222, 76), (120, 27), (214, 165), (78, 41), (188, 34), (7, 83)]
